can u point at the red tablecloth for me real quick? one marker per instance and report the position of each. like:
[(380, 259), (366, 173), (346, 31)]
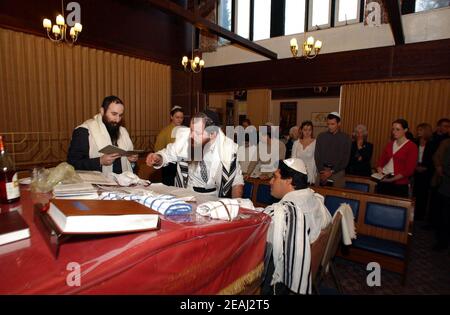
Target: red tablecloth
[(203, 256)]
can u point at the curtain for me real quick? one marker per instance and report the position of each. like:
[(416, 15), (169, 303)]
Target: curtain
[(376, 105), (48, 89)]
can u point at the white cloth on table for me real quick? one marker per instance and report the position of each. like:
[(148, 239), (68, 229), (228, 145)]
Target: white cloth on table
[(347, 223), (164, 204), (223, 209), (128, 178)]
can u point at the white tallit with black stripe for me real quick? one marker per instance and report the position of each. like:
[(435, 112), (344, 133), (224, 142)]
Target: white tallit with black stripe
[(100, 138), (296, 222), (179, 152)]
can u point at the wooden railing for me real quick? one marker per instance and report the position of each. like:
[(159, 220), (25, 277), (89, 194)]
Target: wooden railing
[(28, 149)]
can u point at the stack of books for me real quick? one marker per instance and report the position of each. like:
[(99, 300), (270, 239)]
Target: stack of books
[(75, 191)]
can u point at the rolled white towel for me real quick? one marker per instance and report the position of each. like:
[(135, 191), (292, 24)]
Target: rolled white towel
[(223, 209)]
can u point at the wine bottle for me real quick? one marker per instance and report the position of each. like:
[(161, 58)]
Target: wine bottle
[(9, 183)]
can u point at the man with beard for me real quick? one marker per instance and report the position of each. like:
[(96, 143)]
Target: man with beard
[(205, 158), (96, 133)]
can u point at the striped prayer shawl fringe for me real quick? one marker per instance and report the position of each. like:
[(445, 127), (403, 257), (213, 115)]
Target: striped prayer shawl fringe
[(296, 251), (181, 178)]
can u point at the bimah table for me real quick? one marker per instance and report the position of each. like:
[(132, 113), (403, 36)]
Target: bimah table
[(188, 255)]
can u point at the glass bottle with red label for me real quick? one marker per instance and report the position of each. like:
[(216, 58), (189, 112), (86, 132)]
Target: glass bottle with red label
[(9, 183)]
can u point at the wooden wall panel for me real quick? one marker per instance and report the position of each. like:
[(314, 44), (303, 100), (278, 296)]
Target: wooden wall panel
[(46, 90), (378, 104), (128, 27), (406, 62)]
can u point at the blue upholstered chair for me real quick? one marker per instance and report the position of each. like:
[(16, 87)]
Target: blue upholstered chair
[(333, 203), (263, 196), (357, 186), (389, 218), (248, 190)]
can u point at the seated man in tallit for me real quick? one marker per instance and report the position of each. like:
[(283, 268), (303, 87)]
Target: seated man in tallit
[(296, 223), (94, 134)]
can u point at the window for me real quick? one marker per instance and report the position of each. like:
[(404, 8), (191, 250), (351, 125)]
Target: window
[(243, 18), (261, 19), (224, 14), (294, 17), (319, 14), (347, 12), (224, 17), (424, 5)]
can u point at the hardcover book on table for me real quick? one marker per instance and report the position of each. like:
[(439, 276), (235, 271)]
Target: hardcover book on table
[(12, 227), (101, 216)]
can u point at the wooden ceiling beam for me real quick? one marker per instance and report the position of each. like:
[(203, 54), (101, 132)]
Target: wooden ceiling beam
[(198, 21), (395, 19)]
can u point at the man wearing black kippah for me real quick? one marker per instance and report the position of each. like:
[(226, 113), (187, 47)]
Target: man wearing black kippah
[(205, 158)]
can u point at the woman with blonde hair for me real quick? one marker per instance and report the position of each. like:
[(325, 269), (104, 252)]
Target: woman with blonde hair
[(361, 153)]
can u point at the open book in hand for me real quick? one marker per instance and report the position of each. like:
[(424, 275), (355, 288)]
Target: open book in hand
[(111, 149), (380, 176), (101, 216)]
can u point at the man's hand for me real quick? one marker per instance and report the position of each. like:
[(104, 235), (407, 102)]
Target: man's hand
[(133, 158), (325, 174), (108, 159), (237, 191), (154, 159), (380, 170)]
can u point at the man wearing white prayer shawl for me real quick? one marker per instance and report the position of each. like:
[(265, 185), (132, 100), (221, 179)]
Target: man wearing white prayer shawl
[(94, 134), (206, 159), (297, 220)]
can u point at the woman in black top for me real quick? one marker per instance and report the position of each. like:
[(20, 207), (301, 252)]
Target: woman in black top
[(423, 173), (361, 153)]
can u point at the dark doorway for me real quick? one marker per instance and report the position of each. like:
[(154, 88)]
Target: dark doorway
[(288, 116)]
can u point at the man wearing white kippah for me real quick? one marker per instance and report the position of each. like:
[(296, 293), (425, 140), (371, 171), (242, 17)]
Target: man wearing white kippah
[(297, 220)]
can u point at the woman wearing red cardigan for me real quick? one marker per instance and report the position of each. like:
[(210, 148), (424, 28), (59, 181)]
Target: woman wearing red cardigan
[(398, 161)]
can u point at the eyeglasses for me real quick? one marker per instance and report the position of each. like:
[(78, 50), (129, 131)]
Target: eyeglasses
[(397, 129)]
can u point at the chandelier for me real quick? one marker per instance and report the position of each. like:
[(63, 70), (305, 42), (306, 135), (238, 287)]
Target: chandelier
[(310, 49), (196, 64), (58, 31)]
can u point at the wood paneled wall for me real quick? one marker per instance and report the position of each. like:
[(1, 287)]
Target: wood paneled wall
[(258, 106), (46, 90), (418, 61), (128, 27), (376, 105)]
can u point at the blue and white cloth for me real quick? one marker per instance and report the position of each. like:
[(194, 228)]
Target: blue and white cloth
[(164, 204)]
